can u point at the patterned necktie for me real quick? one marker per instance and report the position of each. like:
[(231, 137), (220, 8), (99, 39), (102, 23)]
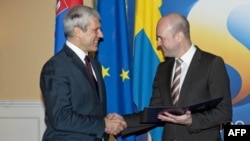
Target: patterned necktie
[(88, 65), (175, 88)]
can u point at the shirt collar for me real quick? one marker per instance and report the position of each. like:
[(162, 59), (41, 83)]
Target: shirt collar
[(187, 57), (77, 50)]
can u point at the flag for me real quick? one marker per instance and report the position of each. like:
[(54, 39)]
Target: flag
[(114, 55), (62, 7), (146, 57)]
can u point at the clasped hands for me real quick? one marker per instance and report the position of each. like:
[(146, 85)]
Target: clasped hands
[(114, 124)]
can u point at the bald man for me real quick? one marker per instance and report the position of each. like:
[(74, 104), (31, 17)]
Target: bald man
[(203, 77)]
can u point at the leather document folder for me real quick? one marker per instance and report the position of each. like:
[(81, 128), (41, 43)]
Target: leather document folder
[(150, 114)]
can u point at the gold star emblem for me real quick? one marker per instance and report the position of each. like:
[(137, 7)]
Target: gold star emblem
[(105, 72), (124, 74)]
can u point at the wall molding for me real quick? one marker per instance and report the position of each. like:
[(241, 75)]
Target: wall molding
[(21, 120)]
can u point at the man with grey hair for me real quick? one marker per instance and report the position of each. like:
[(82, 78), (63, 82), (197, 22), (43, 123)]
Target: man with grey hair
[(72, 85)]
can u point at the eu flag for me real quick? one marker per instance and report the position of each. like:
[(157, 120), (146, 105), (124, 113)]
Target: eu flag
[(114, 54), (62, 7)]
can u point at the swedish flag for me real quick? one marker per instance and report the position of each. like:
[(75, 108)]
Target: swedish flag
[(146, 56)]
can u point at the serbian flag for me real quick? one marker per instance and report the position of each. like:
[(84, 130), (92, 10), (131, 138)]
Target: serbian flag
[(62, 7)]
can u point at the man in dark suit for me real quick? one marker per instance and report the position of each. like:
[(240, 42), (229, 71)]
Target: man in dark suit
[(75, 97), (202, 76)]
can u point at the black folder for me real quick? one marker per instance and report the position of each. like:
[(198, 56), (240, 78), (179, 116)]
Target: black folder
[(150, 114)]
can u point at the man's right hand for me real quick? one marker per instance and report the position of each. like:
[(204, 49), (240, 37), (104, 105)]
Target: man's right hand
[(114, 124)]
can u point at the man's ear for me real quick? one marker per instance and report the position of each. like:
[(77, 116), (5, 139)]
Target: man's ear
[(77, 31), (180, 36)]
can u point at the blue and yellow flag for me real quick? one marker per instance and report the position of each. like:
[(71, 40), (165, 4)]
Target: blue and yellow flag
[(230, 28), (146, 56), (114, 54), (62, 7)]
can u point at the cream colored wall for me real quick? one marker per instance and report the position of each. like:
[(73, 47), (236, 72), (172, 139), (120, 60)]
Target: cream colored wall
[(26, 42)]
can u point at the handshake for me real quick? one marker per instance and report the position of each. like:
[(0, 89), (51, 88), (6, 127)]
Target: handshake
[(114, 124)]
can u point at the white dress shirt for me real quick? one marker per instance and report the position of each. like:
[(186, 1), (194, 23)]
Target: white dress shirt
[(186, 58)]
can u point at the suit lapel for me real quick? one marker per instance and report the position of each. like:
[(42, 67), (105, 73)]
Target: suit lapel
[(165, 80), (78, 63), (98, 76), (192, 70), (76, 60)]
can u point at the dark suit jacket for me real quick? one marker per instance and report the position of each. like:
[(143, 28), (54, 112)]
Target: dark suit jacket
[(74, 108), (206, 78)]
